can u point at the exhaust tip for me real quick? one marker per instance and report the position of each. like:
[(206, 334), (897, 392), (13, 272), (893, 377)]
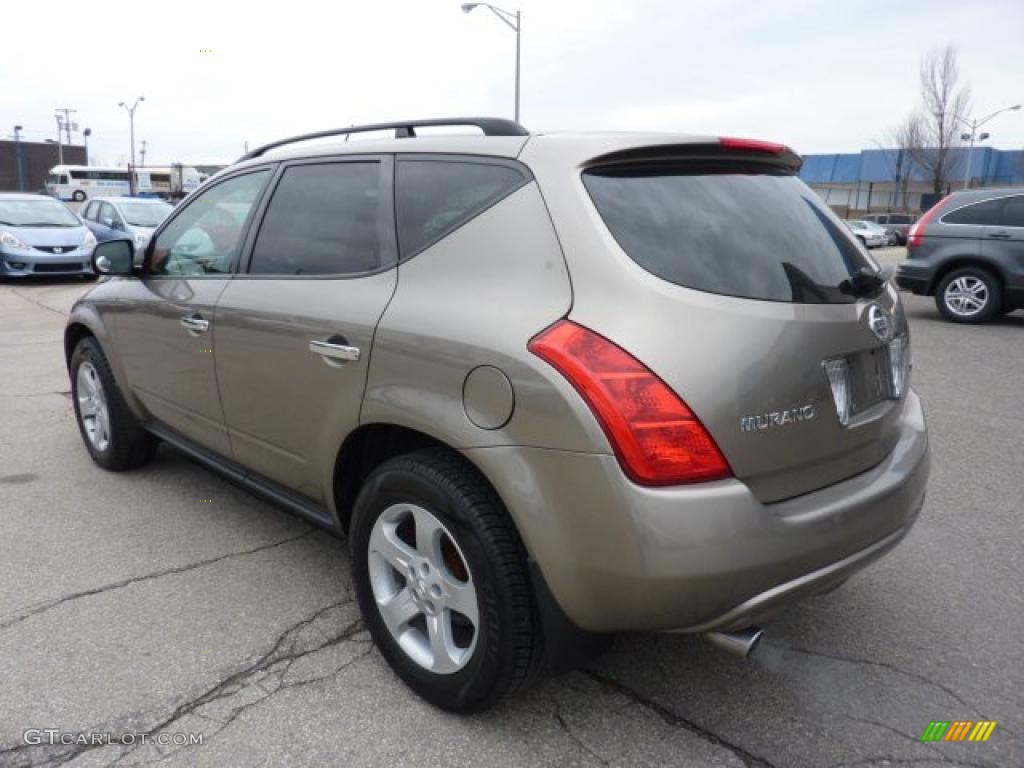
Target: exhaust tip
[(741, 643)]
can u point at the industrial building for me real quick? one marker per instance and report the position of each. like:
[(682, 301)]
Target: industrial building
[(37, 158), (854, 184)]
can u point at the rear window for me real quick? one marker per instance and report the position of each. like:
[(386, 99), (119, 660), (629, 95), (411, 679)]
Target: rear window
[(901, 219), (1013, 212), (754, 235)]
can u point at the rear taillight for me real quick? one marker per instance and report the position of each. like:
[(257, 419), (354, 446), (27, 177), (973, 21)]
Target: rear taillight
[(752, 145), (916, 232), (656, 437)]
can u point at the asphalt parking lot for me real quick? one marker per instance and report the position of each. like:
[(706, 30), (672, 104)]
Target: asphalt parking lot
[(167, 600)]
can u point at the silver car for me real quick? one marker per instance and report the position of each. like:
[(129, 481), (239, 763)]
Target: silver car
[(550, 387), (41, 236), (869, 233)]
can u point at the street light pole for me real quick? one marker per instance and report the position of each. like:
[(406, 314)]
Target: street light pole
[(514, 21), (85, 136), (131, 127), (974, 125)]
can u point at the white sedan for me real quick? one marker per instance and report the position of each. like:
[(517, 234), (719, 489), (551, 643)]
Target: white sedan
[(868, 233)]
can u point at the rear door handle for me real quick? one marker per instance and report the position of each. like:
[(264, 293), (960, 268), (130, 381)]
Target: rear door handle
[(195, 324), (1001, 235), (334, 353)]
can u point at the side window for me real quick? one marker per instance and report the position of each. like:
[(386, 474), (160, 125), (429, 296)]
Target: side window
[(63, 179), (107, 215), (434, 197), (1013, 212), (90, 211), (323, 219), (206, 237), (979, 213)]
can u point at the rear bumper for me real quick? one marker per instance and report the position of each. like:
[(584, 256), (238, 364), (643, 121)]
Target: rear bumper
[(617, 556), (913, 277)]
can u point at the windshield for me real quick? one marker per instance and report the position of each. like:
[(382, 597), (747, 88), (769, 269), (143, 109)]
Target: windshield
[(36, 213), (145, 214), (755, 235)]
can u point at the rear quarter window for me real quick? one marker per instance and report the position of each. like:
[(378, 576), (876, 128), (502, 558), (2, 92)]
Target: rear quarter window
[(980, 214), (755, 234), (433, 197)]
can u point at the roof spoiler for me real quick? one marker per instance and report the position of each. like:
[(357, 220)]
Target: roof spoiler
[(405, 129), (769, 153)]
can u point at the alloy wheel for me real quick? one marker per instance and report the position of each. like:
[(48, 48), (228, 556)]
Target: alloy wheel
[(966, 296), (423, 588), (92, 406)]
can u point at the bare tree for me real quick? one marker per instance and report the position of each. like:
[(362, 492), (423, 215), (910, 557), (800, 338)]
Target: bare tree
[(944, 102), (907, 141)]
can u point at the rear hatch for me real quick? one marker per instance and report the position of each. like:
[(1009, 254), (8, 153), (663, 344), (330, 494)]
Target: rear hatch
[(765, 316)]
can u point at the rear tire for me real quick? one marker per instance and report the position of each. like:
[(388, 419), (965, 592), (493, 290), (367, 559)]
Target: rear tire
[(111, 433), (432, 545), (969, 295)]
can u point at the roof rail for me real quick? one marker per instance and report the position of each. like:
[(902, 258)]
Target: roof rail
[(405, 129)]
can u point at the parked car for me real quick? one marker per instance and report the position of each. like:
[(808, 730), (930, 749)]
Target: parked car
[(135, 217), (41, 236), (968, 252), (870, 235), (491, 370), (899, 223)]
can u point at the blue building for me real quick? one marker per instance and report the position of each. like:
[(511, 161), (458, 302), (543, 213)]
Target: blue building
[(867, 180)]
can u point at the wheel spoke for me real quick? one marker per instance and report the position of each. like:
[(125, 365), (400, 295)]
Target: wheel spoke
[(385, 542), (398, 610), (462, 599), (442, 645), (428, 537)]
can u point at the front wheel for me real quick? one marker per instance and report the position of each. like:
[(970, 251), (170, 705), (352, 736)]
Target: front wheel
[(78, 196), (111, 434), (968, 295), (440, 576)]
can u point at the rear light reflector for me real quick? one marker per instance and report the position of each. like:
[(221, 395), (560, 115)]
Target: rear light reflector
[(899, 366), (752, 145), (656, 437), (838, 372), (916, 232)]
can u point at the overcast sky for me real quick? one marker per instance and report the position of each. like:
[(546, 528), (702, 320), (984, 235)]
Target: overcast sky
[(822, 76)]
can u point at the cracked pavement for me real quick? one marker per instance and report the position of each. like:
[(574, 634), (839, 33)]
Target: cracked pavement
[(129, 606)]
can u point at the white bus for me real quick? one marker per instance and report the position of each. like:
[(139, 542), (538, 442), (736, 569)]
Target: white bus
[(81, 182)]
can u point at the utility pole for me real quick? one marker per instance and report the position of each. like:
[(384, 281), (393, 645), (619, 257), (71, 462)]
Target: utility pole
[(68, 125), (85, 137), (17, 158), (60, 145), (143, 153)]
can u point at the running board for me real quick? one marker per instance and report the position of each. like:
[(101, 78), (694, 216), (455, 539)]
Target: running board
[(253, 482)]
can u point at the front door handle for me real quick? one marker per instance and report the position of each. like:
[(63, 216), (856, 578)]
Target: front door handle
[(332, 353), (1001, 235), (195, 324)]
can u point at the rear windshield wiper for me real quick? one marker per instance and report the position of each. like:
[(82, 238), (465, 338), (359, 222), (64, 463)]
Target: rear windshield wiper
[(865, 282)]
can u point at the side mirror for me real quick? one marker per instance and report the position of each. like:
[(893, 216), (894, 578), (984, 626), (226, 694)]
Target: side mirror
[(114, 257)]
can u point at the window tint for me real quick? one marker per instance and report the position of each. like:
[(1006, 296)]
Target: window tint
[(897, 218), (206, 236), (433, 197), (90, 211), (756, 235), (1013, 212), (323, 219), (978, 213)]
